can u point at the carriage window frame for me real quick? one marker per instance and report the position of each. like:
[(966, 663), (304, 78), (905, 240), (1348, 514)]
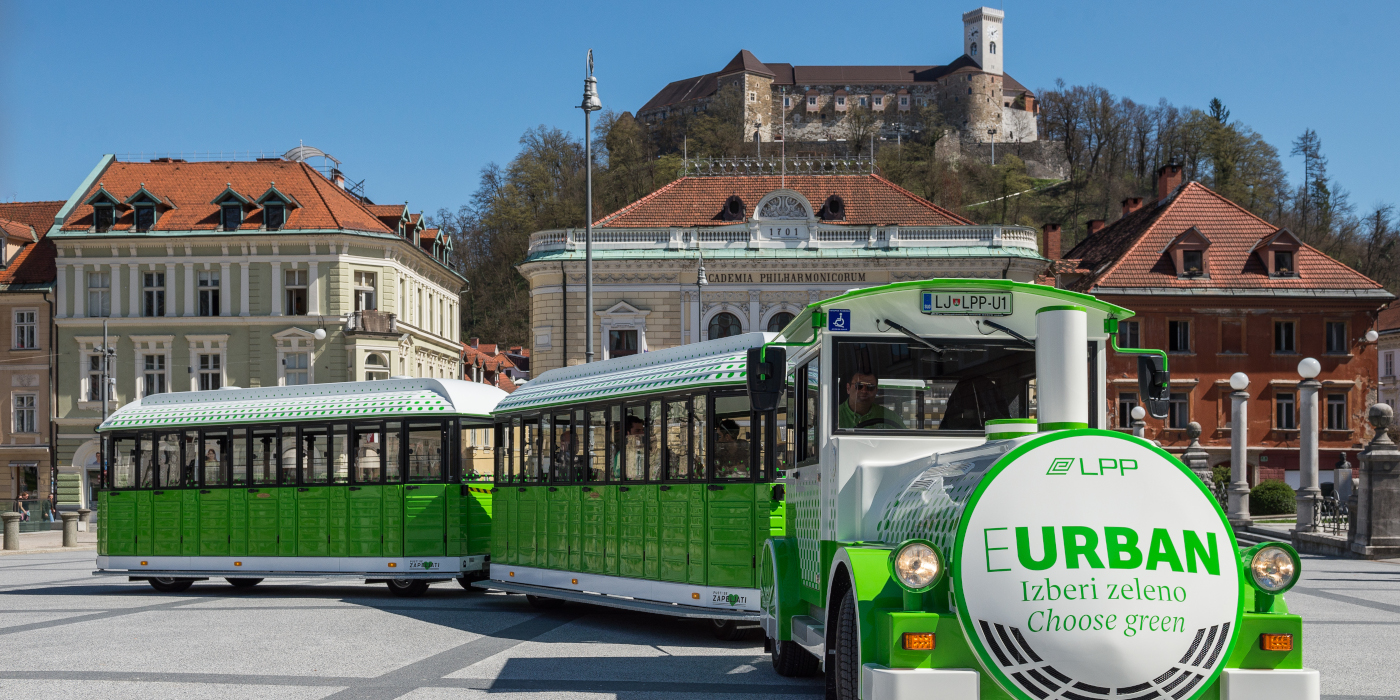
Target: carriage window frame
[(352, 441), (255, 433), (711, 468), (627, 407), (444, 449)]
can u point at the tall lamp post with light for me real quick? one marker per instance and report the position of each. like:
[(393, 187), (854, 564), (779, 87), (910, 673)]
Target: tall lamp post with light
[(1238, 503), (590, 105), (1308, 489)]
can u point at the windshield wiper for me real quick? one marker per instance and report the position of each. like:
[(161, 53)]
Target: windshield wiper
[(914, 336), (1010, 332)]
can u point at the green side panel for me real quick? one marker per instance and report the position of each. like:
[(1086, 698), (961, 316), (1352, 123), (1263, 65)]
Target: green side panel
[(213, 523), (523, 537), (651, 550), (453, 518), (575, 528), (101, 520), (313, 521), (541, 525), (119, 509), (364, 529), (502, 523), (611, 528), (262, 521), (695, 535), (338, 498), (424, 517), (238, 522), (286, 498), (392, 536), (672, 502), (189, 506), (592, 528), (557, 498), (732, 556), (631, 533), (1247, 653), (168, 524), (777, 510), (145, 538), (478, 537)]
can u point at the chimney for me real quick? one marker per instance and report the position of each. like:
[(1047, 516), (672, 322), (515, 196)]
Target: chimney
[(1168, 179), (338, 178), (474, 342), (1095, 225), (1030, 104), (1131, 205), (1050, 247)]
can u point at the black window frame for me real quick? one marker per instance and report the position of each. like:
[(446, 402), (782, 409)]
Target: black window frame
[(281, 210), (1179, 336), (224, 210), (1291, 336), (140, 212), (1335, 335), (1338, 401), (1129, 334)]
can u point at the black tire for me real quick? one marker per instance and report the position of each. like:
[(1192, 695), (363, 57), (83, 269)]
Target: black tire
[(729, 630), (540, 603), (407, 587), (171, 585), (466, 583), (243, 582), (792, 661), (844, 675)]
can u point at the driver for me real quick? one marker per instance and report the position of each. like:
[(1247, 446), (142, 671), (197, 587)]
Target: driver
[(860, 409)]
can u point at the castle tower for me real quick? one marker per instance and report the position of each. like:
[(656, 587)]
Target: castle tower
[(755, 84), (982, 38)]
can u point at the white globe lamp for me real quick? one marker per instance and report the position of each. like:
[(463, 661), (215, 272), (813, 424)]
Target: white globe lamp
[(1239, 381), (320, 334), (1138, 413), (1372, 335), (1309, 368)]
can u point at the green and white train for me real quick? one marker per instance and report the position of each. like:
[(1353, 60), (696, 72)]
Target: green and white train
[(361, 479)]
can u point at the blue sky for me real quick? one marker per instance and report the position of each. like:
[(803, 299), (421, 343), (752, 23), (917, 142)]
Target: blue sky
[(416, 97)]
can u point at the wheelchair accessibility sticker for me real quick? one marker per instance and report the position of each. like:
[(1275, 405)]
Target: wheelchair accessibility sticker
[(838, 320)]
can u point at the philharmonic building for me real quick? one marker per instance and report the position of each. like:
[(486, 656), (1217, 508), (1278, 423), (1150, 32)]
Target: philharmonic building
[(768, 245)]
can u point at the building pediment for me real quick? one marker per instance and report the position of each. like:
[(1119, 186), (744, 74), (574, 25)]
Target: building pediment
[(783, 204)]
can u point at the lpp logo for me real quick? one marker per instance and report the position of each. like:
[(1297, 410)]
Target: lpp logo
[(1066, 465)]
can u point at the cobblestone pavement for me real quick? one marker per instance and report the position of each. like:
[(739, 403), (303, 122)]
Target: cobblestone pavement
[(66, 632)]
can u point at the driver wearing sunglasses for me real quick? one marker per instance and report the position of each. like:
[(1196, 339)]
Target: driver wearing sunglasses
[(860, 409)]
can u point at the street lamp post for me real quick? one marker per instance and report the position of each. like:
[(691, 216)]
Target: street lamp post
[(1308, 490), (993, 134), (1239, 450), (590, 105), (700, 282)]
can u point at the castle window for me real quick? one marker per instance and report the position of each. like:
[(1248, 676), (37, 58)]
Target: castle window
[(969, 91), (863, 102), (840, 102), (787, 102), (811, 101), (973, 50), (879, 101), (753, 96), (992, 47)]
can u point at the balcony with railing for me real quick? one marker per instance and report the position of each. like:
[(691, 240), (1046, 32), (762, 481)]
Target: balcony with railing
[(802, 235)]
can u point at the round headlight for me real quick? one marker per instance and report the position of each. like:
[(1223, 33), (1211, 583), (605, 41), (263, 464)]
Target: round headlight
[(917, 566), (1273, 569)]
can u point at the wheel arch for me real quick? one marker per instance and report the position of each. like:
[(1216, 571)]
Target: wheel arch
[(780, 586), (863, 569)]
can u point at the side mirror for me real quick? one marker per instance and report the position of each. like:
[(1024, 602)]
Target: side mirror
[(1154, 384), (765, 371)]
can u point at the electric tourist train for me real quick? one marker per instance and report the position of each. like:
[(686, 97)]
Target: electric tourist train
[(911, 489), (366, 480)]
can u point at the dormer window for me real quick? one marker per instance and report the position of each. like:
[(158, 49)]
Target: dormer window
[(103, 216), (1188, 253), (834, 209), (274, 215), (1193, 263), (230, 217), (1279, 252), (733, 209), (145, 217), (1283, 263), (274, 205)]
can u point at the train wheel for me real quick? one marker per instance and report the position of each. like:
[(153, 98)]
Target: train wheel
[(243, 582), (171, 585), (845, 675), (466, 583), (729, 630), (791, 660), (407, 588), (540, 603)]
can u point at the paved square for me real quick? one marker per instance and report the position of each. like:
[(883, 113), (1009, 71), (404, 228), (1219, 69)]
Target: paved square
[(68, 633)]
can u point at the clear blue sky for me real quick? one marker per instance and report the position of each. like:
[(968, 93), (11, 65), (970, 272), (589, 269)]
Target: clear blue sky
[(416, 97)]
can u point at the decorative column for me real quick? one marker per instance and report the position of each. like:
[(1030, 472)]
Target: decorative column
[(115, 293), (1376, 519), (134, 306), (697, 333), (189, 309), (80, 291), (243, 292), (273, 285), (313, 291), (225, 304), (170, 310), (62, 291), (1308, 491), (1239, 451), (754, 318), (1195, 456)]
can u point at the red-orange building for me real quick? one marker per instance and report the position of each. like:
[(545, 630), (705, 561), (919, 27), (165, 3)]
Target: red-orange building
[(1223, 291), (487, 363)]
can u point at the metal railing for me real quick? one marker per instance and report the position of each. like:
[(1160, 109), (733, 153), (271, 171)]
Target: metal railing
[(801, 234), (371, 321), (792, 165), (1331, 516)]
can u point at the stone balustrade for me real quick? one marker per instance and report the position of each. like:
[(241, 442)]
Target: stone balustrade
[(787, 234)]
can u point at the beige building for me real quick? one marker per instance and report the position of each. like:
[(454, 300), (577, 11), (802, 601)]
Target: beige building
[(769, 245), (26, 297)]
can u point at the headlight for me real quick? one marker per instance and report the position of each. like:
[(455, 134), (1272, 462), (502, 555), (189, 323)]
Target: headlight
[(916, 565), (1273, 568)]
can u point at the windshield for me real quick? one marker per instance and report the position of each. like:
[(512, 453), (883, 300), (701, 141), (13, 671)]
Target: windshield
[(895, 386)]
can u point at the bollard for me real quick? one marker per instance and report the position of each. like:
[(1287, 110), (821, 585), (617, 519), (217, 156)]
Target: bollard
[(11, 529), (84, 524), (70, 529)]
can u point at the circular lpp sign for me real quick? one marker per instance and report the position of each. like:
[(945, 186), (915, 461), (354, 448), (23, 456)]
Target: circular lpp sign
[(1092, 562)]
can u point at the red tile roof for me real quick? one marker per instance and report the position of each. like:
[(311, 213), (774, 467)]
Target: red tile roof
[(17, 230), (745, 61), (388, 214), (1131, 252), (192, 186), (37, 214), (34, 263), (870, 200), (1389, 318)]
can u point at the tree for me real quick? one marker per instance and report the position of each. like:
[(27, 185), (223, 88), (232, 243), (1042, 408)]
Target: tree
[(1218, 112), (1309, 146), (861, 125)]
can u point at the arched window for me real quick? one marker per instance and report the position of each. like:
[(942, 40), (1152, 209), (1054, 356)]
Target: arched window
[(974, 48), (992, 47), (779, 322), (724, 325), (376, 367)]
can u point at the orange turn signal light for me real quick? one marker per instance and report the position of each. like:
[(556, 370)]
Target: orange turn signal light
[(918, 641), (238, 563), (695, 596), (1276, 642), (512, 574), (574, 580), (392, 565), (143, 563)]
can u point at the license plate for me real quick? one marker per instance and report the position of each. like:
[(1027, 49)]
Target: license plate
[(967, 303)]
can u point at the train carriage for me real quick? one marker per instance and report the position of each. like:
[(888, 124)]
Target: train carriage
[(645, 482), (961, 525), (365, 480)]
